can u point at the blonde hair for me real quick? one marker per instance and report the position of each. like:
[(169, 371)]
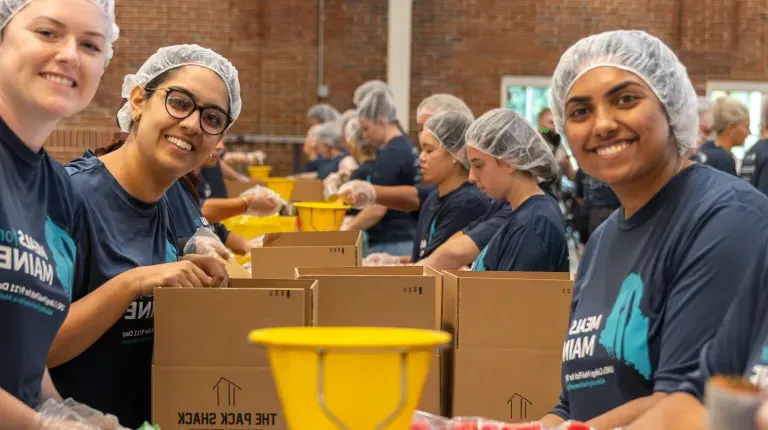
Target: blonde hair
[(727, 111)]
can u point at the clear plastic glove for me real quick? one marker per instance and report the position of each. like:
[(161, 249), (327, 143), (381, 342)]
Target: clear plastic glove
[(71, 415), (256, 158), (203, 242), (257, 242), (359, 194), (262, 201), (381, 259), (348, 165)]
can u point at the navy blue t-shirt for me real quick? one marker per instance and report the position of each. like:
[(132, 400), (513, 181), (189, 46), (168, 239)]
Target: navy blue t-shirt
[(115, 232), (596, 193), (484, 228), (330, 166), (37, 255), (741, 345), (424, 191), (364, 172), (718, 158), (397, 163), (533, 240), (754, 168), (441, 217), (314, 165), (186, 216), (212, 184), (651, 290)]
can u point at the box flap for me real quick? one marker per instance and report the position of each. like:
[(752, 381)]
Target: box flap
[(304, 272), (271, 283), (510, 275), (512, 313), (209, 327), (314, 238)]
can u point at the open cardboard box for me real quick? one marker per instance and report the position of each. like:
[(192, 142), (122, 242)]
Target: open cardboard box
[(308, 190), (282, 253), (205, 373), (235, 188), (509, 334), (407, 296)]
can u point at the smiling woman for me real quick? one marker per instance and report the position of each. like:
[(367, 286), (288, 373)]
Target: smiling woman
[(179, 103), (656, 282)]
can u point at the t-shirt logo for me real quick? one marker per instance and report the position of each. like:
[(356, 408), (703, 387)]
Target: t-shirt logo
[(625, 336), (170, 253), (63, 250)]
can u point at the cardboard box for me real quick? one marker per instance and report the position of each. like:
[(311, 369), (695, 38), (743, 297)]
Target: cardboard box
[(308, 190), (284, 252), (205, 373), (509, 334), (235, 188), (407, 296)]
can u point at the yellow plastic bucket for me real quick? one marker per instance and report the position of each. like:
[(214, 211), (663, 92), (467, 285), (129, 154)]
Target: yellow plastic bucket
[(354, 378), (282, 186), (259, 172), (251, 226), (316, 216)]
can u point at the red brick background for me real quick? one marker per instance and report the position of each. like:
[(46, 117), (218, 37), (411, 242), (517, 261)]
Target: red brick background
[(459, 46)]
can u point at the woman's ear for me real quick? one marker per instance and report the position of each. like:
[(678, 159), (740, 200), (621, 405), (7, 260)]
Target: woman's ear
[(137, 101)]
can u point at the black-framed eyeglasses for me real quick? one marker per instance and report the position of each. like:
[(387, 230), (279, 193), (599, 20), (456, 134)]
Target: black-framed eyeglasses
[(181, 104)]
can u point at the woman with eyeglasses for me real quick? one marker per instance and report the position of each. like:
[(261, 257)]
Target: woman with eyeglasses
[(179, 103)]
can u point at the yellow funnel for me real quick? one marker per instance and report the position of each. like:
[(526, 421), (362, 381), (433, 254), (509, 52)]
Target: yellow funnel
[(259, 172), (282, 186), (318, 216), (252, 226), (353, 378)]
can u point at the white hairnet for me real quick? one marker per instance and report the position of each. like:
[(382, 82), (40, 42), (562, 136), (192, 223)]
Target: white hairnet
[(377, 106), (450, 128), (639, 53), (704, 104), (171, 57), (505, 135), (353, 133), (9, 9), (727, 111), (363, 90), (344, 120), (437, 103), (323, 112), (327, 133)]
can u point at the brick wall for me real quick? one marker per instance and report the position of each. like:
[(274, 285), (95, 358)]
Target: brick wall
[(459, 46)]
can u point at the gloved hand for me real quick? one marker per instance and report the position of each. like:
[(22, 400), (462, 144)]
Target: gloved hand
[(358, 194), (332, 183), (71, 415), (257, 242), (348, 165), (262, 201), (381, 259), (256, 158), (203, 242)]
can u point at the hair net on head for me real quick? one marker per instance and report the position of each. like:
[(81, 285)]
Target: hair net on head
[(450, 128), (437, 103), (505, 135), (344, 120), (172, 57), (363, 90), (727, 111), (9, 9), (328, 134), (353, 133), (643, 55), (704, 104), (377, 106), (323, 113)]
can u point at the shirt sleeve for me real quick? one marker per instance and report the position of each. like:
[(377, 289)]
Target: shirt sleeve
[(221, 232), (386, 172), (760, 180), (424, 191), (483, 232), (721, 258), (460, 214)]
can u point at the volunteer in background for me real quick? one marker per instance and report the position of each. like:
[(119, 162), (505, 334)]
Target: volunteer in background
[(731, 127), (349, 163), (597, 200), (704, 138), (396, 163), (754, 167), (508, 158), (455, 202), (639, 318), (179, 103), (47, 72), (317, 114), (547, 129), (328, 144), (213, 176)]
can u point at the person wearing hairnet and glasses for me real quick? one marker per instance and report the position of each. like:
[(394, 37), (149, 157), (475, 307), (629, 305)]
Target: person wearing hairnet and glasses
[(754, 167), (455, 202), (53, 54), (731, 127), (396, 163), (180, 101), (509, 158), (652, 287)]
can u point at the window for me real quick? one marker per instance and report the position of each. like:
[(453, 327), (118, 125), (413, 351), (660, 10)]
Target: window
[(751, 94), (526, 95)]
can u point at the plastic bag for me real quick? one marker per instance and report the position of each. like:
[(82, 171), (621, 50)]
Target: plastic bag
[(71, 415), (381, 259), (425, 421)]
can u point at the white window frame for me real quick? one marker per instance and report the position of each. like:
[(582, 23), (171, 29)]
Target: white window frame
[(522, 81)]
